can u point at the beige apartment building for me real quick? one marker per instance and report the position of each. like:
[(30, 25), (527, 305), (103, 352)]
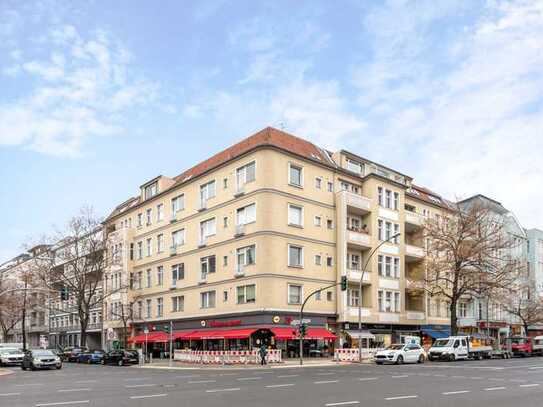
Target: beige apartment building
[(228, 250)]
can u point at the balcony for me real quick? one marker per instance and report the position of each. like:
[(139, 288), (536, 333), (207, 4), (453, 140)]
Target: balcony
[(240, 230), (415, 315), (413, 221), (240, 271), (354, 274), (358, 239), (413, 284), (202, 241), (358, 203), (413, 253), (353, 312)]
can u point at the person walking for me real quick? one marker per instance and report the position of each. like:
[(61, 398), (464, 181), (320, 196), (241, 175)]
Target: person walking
[(262, 352)]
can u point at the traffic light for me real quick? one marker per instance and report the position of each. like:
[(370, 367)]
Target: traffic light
[(343, 283), (303, 330), (167, 329), (64, 293)]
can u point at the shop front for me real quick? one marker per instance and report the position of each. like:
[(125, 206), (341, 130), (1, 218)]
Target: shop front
[(432, 332)]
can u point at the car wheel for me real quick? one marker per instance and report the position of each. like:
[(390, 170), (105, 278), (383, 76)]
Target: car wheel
[(59, 367), (421, 359), (451, 358), (120, 363), (32, 367), (399, 360), (23, 367)]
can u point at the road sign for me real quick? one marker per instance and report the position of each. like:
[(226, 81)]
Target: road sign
[(297, 321), (145, 330)]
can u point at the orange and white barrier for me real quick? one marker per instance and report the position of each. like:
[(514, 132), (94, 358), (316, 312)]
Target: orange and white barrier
[(225, 357), (352, 354)]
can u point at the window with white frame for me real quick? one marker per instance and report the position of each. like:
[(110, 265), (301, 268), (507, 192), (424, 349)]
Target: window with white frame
[(318, 259), (149, 245), (160, 212), (380, 196), (178, 238), (207, 191), (295, 256), (355, 166), (246, 294), (148, 308), (295, 175), (178, 204), (207, 299), (388, 301), (178, 303), (353, 297), (295, 215), (207, 265), (353, 261), (245, 174), (160, 243), (207, 228), (388, 266), (318, 182), (246, 255), (294, 294), (318, 221), (463, 309), (159, 275), (150, 190), (148, 278), (388, 198), (396, 201), (140, 219), (159, 307), (178, 273), (149, 215), (246, 214), (140, 250)]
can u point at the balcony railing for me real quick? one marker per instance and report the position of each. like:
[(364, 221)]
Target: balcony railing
[(415, 315), (240, 270), (414, 218), (358, 238), (414, 253), (240, 230), (355, 274), (357, 201)]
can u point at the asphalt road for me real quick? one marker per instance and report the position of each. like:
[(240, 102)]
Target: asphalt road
[(507, 383)]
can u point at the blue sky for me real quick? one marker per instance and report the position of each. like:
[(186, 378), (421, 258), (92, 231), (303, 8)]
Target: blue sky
[(97, 97)]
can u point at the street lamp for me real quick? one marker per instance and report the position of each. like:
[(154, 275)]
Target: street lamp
[(360, 291)]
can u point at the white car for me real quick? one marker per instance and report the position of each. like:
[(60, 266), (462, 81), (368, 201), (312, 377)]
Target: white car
[(11, 356), (401, 353)]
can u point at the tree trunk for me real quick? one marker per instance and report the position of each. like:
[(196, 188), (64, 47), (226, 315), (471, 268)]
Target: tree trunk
[(454, 319), (526, 328), (23, 330)]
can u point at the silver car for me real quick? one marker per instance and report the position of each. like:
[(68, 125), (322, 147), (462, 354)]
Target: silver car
[(40, 359), (11, 356)]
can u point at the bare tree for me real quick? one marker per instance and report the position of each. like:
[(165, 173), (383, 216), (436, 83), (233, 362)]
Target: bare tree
[(124, 314), (468, 253), (521, 300), (10, 310)]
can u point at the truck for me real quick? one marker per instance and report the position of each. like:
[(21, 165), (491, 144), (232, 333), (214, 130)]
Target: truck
[(521, 345), (537, 345), (460, 347)]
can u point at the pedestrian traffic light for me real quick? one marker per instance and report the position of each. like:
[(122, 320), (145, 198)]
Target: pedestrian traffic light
[(343, 283), (303, 330), (64, 293)]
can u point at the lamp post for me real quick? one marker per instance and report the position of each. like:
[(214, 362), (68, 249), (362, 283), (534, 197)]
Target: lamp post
[(360, 291)]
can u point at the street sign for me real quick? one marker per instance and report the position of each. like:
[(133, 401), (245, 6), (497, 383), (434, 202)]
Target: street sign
[(145, 330), (297, 321)]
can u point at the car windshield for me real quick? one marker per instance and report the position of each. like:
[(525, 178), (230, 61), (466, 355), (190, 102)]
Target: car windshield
[(9, 351), (42, 352), (440, 343), (396, 347), (518, 341)]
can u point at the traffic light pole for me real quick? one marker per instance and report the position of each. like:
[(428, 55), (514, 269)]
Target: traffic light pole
[(171, 345), (300, 332)]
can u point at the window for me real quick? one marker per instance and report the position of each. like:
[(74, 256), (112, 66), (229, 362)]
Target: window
[(330, 186), (397, 302), (207, 191), (245, 174), (159, 307), (151, 190), (246, 215), (329, 261), (318, 183), (225, 296), (463, 309), (388, 266), (380, 196), (178, 204), (396, 267), (380, 229), (246, 294), (246, 255), (318, 259), (318, 296), (159, 212), (354, 166), (353, 261), (207, 299), (225, 261), (207, 228), (388, 198), (294, 294), (148, 216), (295, 175), (329, 223), (318, 221), (225, 222), (353, 297), (140, 250), (295, 215), (178, 303), (178, 273), (225, 183), (178, 238), (160, 275), (396, 232), (388, 301), (140, 219), (207, 265), (148, 309), (149, 246), (148, 278), (396, 201), (388, 230), (329, 296), (295, 256), (160, 243)]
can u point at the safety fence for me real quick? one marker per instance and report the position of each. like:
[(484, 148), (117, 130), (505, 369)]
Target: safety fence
[(225, 357), (352, 355)]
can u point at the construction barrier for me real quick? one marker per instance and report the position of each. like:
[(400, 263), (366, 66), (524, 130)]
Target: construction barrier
[(351, 354), (225, 357)]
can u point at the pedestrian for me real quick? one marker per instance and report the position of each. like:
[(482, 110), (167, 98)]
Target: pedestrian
[(262, 352)]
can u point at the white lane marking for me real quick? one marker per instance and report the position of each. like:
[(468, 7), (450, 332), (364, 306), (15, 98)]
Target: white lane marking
[(326, 374), (273, 386), (147, 396), (326, 381), (263, 372), (202, 381), (440, 375), (287, 375), (228, 374), (536, 367), (342, 403), (29, 384), (249, 378), (86, 381), (494, 388), (135, 378), (134, 386), (219, 390), (399, 376), (529, 385), (476, 377), (496, 379), (448, 393), (186, 376), (458, 377), (414, 396), (169, 385), (9, 394), (63, 403), (70, 390), (366, 379)]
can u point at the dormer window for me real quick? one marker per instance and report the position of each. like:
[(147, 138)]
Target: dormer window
[(150, 190), (355, 167)]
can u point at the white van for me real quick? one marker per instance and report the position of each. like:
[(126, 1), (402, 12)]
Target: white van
[(451, 348), (537, 345)]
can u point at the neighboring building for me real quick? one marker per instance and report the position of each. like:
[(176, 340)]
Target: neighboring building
[(36, 299), (228, 250), (535, 258), (485, 314)]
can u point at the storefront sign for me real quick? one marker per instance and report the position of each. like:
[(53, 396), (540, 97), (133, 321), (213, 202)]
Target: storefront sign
[(222, 324), (483, 324)]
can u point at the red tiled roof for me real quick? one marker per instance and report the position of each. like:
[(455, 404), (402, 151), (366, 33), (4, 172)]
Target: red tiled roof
[(425, 194)]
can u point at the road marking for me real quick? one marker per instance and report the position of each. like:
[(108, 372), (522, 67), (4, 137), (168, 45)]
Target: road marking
[(342, 403), (186, 376), (287, 375), (248, 378), (400, 376), (518, 380), (494, 388), (401, 397), (86, 381), (202, 381), (458, 377), (29, 384), (476, 378), (496, 379), (228, 374), (366, 379), (63, 403), (219, 390), (169, 385), (448, 393), (9, 394), (326, 374), (147, 396), (326, 381), (70, 390), (536, 367), (273, 386), (136, 378), (133, 386), (440, 375), (529, 385)]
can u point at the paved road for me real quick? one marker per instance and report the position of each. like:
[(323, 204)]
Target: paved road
[(517, 382)]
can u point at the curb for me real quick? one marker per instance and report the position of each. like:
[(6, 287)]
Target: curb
[(4, 372), (244, 367)]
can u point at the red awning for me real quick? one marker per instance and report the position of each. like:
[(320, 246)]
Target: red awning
[(151, 337), (319, 333), (284, 333), (219, 334)]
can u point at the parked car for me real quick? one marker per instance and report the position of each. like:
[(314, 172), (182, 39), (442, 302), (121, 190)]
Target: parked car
[(71, 354), (537, 345), (120, 358), (40, 359), (94, 356), (401, 353), (11, 356)]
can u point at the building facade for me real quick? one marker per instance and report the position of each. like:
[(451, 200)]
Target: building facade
[(535, 258), (237, 242)]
